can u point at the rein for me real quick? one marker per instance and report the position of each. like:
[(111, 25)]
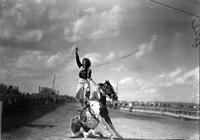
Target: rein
[(89, 108), (94, 82), (97, 85), (93, 115)]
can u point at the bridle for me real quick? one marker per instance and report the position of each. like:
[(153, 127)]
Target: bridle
[(103, 89)]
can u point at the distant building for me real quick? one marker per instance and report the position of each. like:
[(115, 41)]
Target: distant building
[(47, 91)]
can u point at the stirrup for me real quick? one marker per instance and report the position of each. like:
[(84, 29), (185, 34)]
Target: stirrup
[(82, 115)]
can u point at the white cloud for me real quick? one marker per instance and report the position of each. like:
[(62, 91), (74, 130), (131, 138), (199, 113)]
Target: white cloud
[(142, 49), (126, 81), (86, 1), (94, 57), (178, 35), (96, 25), (74, 38), (24, 36), (160, 76), (78, 25), (146, 47), (119, 68), (32, 35), (77, 32), (178, 77), (150, 91), (165, 84), (90, 10), (109, 24), (110, 56), (30, 59), (71, 66), (1, 50), (55, 59), (175, 73), (188, 77), (137, 89), (39, 60), (135, 83), (169, 76), (3, 73), (38, 1), (5, 33)]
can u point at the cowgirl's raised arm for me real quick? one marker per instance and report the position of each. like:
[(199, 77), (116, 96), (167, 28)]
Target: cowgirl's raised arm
[(77, 58)]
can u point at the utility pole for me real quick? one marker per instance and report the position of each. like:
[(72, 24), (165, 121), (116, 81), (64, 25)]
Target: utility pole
[(54, 79), (117, 88)]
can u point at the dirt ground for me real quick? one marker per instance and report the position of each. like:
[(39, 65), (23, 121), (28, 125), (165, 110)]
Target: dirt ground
[(54, 125)]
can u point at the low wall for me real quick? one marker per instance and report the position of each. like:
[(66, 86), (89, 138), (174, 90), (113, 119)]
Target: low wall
[(162, 113)]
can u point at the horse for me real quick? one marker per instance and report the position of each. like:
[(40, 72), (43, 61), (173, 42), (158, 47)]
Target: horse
[(88, 119)]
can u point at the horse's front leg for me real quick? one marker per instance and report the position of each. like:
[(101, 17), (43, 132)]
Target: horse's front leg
[(86, 134), (109, 124), (94, 132), (105, 125), (91, 132), (99, 133)]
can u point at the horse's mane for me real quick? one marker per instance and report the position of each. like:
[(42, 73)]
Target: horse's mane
[(100, 84), (107, 88)]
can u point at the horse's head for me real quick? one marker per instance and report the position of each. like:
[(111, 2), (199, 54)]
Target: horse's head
[(108, 90)]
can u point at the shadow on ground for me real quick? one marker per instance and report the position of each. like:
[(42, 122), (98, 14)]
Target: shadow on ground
[(91, 137), (102, 138), (17, 118), (41, 126)]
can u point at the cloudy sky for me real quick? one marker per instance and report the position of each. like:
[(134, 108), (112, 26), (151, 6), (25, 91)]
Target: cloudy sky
[(37, 40)]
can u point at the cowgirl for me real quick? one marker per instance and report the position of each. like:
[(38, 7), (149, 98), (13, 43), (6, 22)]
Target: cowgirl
[(83, 88)]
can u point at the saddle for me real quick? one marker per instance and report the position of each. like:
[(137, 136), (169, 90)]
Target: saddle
[(82, 114)]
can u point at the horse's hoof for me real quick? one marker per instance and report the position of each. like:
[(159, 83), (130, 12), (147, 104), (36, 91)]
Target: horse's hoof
[(121, 138), (85, 135), (100, 134), (111, 136)]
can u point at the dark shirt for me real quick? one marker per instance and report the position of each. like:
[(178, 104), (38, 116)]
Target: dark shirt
[(84, 73)]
